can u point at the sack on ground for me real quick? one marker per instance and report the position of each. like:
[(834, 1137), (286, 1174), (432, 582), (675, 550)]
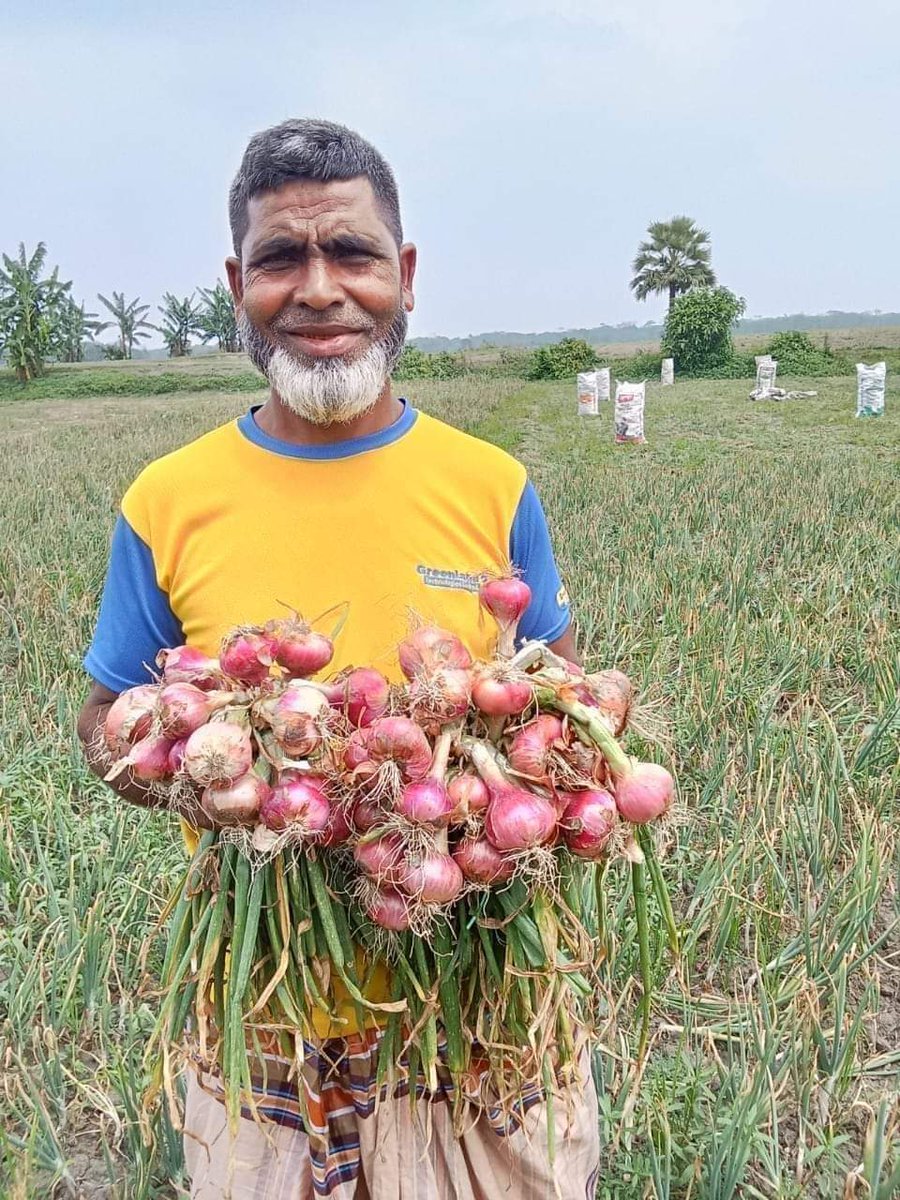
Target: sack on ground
[(766, 370), (629, 411), (587, 394), (602, 383), (667, 372), (870, 389)]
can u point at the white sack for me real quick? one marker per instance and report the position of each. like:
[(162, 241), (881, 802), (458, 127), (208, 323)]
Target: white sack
[(870, 389), (629, 411), (587, 394)]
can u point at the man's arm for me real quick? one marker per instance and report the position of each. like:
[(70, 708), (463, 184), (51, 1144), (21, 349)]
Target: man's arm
[(565, 647)]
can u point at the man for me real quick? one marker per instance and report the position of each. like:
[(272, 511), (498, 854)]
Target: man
[(332, 491)]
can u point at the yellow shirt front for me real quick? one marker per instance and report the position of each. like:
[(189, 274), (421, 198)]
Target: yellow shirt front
[(237, 527)]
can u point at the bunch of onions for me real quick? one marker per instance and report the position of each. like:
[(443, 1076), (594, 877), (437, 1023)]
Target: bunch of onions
[(297, 648), (246, 655), (362, 694), (129, 717), (186, 664), (236, 803), (588, 821), (396, 740), (506, 599), (298, 802), (429, 649), (218, 753), (431, 877), (295, 717)]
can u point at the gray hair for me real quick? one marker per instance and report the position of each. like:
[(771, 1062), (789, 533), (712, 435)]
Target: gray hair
[(316, 150)]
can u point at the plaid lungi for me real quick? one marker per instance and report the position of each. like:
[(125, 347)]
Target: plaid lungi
[(385, 1151)]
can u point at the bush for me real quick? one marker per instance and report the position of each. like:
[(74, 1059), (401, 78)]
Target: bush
[(796, 355), (416, 364), (697, 332), (639, 366), (562, 360)]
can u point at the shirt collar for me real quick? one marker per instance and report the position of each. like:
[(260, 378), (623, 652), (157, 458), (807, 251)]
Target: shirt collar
[(248, 426)]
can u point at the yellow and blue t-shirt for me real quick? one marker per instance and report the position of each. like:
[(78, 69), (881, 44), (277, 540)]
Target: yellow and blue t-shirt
[(238, 527)]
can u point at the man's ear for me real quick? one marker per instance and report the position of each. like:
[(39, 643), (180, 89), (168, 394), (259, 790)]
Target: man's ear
[(235, 275), (408, 256)]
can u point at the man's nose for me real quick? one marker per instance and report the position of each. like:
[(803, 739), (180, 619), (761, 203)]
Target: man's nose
[(318, 288)]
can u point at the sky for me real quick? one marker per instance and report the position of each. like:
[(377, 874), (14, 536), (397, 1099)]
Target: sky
[(533, 142)]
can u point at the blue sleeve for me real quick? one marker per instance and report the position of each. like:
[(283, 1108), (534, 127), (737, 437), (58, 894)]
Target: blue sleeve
[(547, 616), (135, 620)]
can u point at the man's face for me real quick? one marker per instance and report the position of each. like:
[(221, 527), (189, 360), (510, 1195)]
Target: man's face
[(322, 291)]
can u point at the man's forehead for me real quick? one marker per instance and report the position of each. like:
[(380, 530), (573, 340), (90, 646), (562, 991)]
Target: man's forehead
[(306, 206)]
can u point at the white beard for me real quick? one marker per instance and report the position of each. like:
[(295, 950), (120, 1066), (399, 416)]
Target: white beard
[(333, 391)]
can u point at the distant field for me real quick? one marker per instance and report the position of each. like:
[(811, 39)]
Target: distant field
[(743, 566), (837, 339), (234, 372), (865, 340)]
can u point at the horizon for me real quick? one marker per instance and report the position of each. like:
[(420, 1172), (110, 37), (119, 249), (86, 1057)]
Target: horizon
[(529, 165)]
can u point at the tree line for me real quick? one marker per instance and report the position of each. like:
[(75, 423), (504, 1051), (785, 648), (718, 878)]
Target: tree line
[(40, 320)]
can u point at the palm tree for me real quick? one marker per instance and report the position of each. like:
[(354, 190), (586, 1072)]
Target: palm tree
[(129, 317), (217, 319), (29, 311), (673, 260), (181, 319)]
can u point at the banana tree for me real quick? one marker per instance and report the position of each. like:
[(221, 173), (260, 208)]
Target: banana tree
[(30, 309), (217, 319), (129, 319)]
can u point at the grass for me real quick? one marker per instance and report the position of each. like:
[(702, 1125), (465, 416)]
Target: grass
[(743, 567)]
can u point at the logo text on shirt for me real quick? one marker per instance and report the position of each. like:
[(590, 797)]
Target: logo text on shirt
[(460, 581)]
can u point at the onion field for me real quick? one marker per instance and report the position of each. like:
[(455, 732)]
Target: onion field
[(744, 568)]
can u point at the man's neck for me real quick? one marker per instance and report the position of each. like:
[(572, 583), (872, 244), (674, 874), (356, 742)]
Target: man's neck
[(278, 421)]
